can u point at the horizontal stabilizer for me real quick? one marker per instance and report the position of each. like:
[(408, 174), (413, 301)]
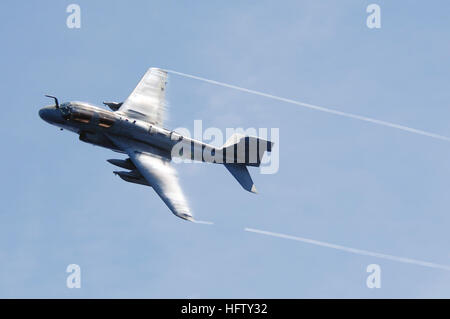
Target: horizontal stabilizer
[(248, 150), (240, 172)]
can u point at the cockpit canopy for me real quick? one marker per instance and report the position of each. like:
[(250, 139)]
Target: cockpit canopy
[(78, 113), (65, 110)]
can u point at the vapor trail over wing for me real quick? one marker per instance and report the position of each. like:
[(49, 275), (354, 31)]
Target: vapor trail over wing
[(160, 174), (317, 107), (147, 101)]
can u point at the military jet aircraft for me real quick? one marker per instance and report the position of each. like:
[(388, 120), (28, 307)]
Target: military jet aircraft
[(135, 127)]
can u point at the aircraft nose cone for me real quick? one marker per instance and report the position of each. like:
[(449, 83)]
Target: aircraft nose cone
[(44, 113), (49, 114)]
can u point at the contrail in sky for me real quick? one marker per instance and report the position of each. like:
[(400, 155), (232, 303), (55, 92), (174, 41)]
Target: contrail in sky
[(351, 250), (344, 114), (316, 107)]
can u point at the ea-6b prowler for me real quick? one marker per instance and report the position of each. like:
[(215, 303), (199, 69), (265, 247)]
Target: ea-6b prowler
[(135, 127)]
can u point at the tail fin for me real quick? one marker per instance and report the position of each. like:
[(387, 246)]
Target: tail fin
[(240, 172), (241, 151), (248, 150)]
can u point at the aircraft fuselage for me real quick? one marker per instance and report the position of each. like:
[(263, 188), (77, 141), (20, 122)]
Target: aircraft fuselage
[(94, 125)]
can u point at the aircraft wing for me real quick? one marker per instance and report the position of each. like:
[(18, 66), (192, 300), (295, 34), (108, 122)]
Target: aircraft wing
[(147, 101), (160, 174)]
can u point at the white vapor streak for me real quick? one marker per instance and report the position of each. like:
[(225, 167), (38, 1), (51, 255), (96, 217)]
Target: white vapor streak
[(351, 250), (316, 107), (202, 222)]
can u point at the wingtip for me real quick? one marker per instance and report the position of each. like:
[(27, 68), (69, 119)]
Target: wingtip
[(156, 69), (254, 190), (186, 217)]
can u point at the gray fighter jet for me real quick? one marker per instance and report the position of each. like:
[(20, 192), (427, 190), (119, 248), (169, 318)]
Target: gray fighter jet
[(135, 127)]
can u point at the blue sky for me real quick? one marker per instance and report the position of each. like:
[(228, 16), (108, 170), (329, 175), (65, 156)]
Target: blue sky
[(340, 180)]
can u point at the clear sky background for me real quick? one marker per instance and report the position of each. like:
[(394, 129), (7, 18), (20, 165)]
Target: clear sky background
[(340, 180)]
